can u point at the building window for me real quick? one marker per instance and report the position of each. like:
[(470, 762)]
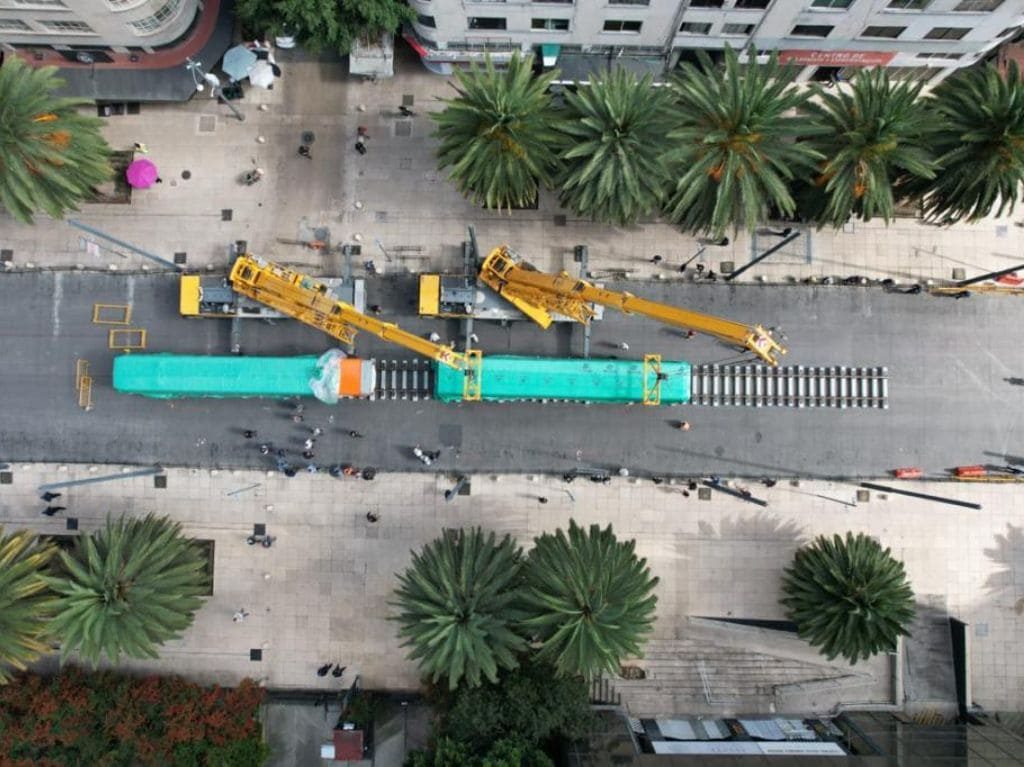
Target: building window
[(811, 30), (561, 2), (908, 5), (977, 6), (426, 21), (487, 22), (41, 5), (752, 4), (707, 3), (629, 2), (890, 32), (695, 28), (910, 73), (947, 33), (940, 55), (618, 25), (14, 25), (68, 27), (550, 25), (831, 4), (737, 29), (150, 24)]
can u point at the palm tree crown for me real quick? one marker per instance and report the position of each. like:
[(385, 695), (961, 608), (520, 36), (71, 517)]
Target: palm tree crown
[(614, 135), (457, 606), (590, 600), (980, 145), (127, 588), (51, 154), (848, 597), (875, 135), (497, 135), (736, 143), (25, 605)]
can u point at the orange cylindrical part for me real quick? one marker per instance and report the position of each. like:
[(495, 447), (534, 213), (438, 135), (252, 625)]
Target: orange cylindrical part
[(350, 381), (909, 472)]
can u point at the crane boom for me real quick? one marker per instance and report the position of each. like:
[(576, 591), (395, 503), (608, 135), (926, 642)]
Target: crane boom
[(538, 294), (303, 298)]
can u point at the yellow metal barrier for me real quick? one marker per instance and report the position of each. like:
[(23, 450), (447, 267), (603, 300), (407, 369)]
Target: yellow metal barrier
[(471, 387), (111, 314), (83, 384), (126, 340), (652, 379)]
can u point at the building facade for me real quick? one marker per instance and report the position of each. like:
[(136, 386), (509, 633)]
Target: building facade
[(95, 27), (917, 39)]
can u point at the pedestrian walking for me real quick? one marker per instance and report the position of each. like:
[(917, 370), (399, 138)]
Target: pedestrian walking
[(297, 418), (280, 452), (656, 259), (308, 444), (338, 671), (48, 496), (241, 615), (249, 433), (375, 309), (474, 338), (372, 516), (289, 472), (435, 336), (264, 449), (317, 431), (542, 499), (362, 131), (624, 346), (658, 480), (308, 455), (322, 671), (691, 333), (335, 470), (683, 426), (360, 145), (141, 148), (51, 510), (282, 464), (305, 151), (312, 469), (354, 434)]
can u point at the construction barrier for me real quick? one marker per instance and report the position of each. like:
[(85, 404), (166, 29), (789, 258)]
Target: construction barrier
[(970, 471), (910, 472)]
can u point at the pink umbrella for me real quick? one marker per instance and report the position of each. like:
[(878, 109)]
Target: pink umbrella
[(141, 174)]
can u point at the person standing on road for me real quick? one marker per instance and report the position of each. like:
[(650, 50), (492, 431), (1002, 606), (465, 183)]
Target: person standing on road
[(240, 616)]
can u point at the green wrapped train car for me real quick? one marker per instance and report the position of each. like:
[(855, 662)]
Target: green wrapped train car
[(510, 378)]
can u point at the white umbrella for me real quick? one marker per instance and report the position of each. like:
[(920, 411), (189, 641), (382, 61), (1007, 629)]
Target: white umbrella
[(261, 74)]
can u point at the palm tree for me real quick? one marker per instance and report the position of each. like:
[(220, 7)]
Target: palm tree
[(979, 143), (613, 138), (735, 143), (498, 135), (127, 588), (51, 154), (848, 596), (457, 607), (25, 604), (589, 599), (874, 138)]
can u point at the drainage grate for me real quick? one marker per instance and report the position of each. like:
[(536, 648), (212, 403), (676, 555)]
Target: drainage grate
[(560, 220), (207, 123), (72, 523), (408, 99), (255, 654), (186, 174), (863, 496), (6, 477), (704, 493), (179, 258), (403, 128), (160, 480), (405, 163), (727, 267), (259, 528), (226, 214), (6, 255)]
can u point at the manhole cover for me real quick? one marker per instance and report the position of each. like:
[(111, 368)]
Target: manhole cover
[(179, 258), (186, 174), (403, 128), (160, 480), (226, 214), (308, 137), (207, 123), (322, 233)]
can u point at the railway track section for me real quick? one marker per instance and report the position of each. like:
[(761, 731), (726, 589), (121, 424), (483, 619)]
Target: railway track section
[(791, 386), (404, 379)]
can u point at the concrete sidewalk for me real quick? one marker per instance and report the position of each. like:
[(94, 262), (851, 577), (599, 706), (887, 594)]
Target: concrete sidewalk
[(395, 196), (321, 593)]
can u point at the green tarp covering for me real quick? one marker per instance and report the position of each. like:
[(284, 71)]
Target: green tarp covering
[(589, 380), (168, 376)]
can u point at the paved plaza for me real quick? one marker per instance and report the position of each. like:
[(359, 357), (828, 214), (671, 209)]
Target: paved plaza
[(320, 593), (395, 195)]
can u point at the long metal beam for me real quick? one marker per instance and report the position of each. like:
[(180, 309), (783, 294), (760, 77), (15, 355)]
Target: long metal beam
[(785, 241), (922, 496), (989, 276), (139, 251)]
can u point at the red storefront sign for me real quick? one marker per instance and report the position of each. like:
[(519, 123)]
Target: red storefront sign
[(837, 58)]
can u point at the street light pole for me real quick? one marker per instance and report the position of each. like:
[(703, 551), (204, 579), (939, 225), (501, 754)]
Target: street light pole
[(195, 68)]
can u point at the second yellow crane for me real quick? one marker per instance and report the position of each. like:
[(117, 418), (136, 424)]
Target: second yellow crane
[(538, 294)]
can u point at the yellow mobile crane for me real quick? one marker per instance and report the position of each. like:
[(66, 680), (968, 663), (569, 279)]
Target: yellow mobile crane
[(303, 298), (538, 294)]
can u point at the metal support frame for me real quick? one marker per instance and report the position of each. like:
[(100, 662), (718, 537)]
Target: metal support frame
[(100, 314), (758, 259), (471, 387), (652, 379), (126, 339), (105, 478), (83, 384)]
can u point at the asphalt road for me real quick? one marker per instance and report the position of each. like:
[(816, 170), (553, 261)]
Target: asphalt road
[(947, 359)]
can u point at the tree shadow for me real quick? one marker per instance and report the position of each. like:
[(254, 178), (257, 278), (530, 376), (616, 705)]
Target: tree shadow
[(1007, 552), (761, 526)]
